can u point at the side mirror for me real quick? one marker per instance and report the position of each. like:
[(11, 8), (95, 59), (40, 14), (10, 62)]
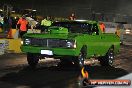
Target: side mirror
[(94, 33)]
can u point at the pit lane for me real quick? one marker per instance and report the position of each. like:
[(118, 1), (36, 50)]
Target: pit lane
[(15, 73)]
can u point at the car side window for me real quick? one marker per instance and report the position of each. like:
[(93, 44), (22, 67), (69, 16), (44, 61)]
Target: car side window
[(95, 29), (85, 28)]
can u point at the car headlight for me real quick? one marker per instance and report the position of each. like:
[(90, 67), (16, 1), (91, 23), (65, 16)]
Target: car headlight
[(27, 41), (128, 31), (21, 42), (71, 44)]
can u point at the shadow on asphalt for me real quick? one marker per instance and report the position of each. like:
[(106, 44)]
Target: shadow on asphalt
[(56, 77)]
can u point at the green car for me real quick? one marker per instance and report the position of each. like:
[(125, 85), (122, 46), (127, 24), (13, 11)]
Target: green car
[(72, 41)]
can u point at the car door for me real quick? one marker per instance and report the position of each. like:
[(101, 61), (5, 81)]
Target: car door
[(93, 40), (97, 40)]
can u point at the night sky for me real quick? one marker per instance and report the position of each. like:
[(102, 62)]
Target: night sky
[(81, 7)]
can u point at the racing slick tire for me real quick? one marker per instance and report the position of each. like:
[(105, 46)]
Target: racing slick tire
[(32, 60), (82, 56), (108, 59)]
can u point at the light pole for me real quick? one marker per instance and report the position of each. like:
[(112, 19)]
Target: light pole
[(7, 10)]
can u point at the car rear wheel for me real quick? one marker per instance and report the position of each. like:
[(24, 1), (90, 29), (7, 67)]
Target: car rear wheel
[(32, 60), (82, 56), (108, 59)]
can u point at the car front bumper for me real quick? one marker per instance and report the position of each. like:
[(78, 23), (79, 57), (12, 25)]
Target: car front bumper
[(55, 51)]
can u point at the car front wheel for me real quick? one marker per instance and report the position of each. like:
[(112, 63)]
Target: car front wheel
[(32, 60)]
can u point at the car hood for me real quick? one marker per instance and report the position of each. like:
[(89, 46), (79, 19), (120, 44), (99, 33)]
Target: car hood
[(44, 35)]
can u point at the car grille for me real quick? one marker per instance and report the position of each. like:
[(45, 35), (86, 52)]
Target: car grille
[(48, 42)]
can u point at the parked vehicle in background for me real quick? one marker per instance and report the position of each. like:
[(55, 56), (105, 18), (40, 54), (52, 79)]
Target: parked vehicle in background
[(127, 37)]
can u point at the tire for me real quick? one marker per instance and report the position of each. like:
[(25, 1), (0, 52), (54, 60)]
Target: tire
[(108, 59), (82, 56), (64, 62), (81, 61), (32, 60)]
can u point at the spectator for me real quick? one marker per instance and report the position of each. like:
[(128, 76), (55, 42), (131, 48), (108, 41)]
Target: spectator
[(45, 23), (117, 32), (72, 17), (6, 25), (23, 25), (102, 27)]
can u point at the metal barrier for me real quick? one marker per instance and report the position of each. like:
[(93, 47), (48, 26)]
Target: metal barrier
[(11, 46), (3, 46)]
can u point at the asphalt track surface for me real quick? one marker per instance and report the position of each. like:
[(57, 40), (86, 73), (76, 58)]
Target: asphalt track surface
[(15, 73)]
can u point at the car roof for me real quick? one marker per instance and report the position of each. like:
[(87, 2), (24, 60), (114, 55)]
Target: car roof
[(77, 21)]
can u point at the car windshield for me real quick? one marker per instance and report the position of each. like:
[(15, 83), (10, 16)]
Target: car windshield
[(75, 27)]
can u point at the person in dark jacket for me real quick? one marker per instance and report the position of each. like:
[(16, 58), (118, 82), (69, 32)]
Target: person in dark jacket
[(6, 25)]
